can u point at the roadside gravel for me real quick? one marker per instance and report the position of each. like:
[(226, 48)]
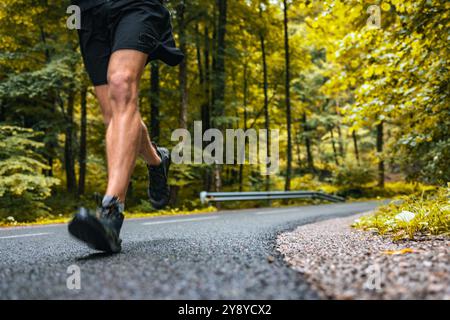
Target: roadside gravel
[(340, 262)]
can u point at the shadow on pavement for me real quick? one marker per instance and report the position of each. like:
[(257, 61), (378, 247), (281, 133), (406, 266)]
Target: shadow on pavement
[(96, 256)]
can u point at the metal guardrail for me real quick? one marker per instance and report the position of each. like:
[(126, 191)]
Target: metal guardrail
[(206, 197)]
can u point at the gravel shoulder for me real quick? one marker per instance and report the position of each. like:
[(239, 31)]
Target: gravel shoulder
[(340, 262)]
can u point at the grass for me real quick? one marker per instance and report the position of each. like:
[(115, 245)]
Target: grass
[(418, 215), (65, 218)]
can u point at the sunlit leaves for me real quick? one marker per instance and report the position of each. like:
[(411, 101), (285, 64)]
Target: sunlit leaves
[(398, 73), (22, 181)]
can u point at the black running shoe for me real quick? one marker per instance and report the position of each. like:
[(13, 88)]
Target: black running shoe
[(100, 231), (158, 188)]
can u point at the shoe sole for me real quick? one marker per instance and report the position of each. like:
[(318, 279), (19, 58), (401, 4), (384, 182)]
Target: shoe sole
[(87, 229)]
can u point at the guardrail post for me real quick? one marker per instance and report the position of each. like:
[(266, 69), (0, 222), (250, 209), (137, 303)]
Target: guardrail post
[(203, 195)]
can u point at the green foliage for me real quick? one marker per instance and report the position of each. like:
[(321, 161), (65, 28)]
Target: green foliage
[(426, 161), (397, 74), (430, 215), (393, 189), (23, 186), (46, 82), (351, 175)]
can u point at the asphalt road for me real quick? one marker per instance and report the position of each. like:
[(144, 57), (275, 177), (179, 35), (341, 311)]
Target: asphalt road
[(224, 255)]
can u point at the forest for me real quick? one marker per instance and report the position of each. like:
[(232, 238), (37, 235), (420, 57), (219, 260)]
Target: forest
[(359, 91)]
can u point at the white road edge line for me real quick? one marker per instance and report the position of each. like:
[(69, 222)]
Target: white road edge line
[(179, 220), (261, 213), (26, 235)]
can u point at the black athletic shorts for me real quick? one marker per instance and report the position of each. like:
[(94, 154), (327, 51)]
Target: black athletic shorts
[(142, 25)]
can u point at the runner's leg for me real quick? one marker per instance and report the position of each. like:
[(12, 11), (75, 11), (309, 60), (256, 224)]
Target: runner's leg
[(123, 136), (147, 151)]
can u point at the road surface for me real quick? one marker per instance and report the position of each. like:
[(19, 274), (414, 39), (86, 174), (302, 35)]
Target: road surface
[(223, 255)]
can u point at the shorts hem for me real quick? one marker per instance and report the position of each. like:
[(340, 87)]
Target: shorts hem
[(99, 83), (140, 49)]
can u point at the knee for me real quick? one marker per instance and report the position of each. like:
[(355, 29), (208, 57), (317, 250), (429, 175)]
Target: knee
[(121, 87)]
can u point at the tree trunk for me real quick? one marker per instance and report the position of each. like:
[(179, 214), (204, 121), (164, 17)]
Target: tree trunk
[(198, 51), (266, 103), (213, 64), (49, 172), (154, 101), (340, 142), (333, 143), (338, 127), (173, 195), (219, 72), (297, 145), (69, 161), (205, 83), (380, 155), (206, 121), (287, 186), (241, 167), (182, 71), (82, 155), (219, 77), (309, 154), (355, 145), (50, 144)]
